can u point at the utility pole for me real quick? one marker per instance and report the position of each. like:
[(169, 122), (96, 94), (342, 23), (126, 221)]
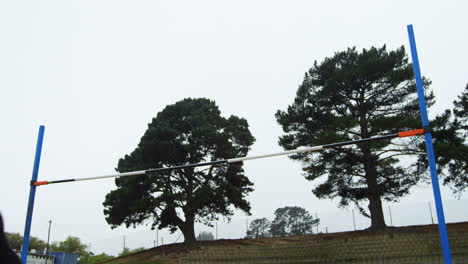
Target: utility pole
[(316, 217), (354, 221), (430, 212), (48, 237), (390, 212), (246, 225), (123, 245)]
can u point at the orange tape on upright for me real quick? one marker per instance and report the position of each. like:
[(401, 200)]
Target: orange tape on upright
[(41, 183), (411, 133)]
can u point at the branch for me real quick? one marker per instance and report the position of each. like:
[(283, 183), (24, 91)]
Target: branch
[(400, 154), (408, 151)]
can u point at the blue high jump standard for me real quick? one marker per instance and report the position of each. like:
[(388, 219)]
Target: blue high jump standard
[(32, 194), (430, 149)]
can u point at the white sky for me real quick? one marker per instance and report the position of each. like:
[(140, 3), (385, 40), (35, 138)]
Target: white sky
[(96, 72)]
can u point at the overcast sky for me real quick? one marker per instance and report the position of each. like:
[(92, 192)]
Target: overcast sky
[(95, 73)]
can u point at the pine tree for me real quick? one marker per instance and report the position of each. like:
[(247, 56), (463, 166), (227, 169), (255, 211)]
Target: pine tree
[(350, 96)]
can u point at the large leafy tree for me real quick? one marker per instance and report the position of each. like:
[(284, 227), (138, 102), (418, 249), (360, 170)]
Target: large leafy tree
[(259, 228), (350, 96), (74, 245), (292, 221), (189, 131)]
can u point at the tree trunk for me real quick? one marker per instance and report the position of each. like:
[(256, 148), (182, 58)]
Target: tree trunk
[(373, 191), (376, 213), (375, 203), (370, 163), (188, 230)]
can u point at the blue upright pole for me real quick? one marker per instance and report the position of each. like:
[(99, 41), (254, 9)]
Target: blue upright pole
[(430, 150), (32, 194)]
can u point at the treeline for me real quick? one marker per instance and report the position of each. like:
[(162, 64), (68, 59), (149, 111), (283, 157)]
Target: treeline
[(71, 244)]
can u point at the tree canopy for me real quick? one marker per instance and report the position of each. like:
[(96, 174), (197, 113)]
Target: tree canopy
[(292, 221), (15, 241), (350, 96), (259, 228), (72, 244), (189, 131), (205, 236), (450, 132)]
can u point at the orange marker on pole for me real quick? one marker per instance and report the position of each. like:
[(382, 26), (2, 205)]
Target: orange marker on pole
[(411, 133)]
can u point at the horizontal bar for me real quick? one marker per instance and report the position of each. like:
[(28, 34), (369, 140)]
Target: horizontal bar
[(334, 145), (240, 159), (123, 174), (187, 166), (61, 181), (275, 154)]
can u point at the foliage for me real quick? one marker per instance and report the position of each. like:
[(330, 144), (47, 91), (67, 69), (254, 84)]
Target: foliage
[(352, 96), (70, 244), (127, 251), (205, 236), (450, 131), (36, 243), (292, 221), (73, 245), (95, 259), (259, 228), (15, 240), (187, 132), (461, 109)]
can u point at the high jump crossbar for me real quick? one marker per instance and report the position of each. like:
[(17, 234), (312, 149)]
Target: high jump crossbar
[(239, 159)]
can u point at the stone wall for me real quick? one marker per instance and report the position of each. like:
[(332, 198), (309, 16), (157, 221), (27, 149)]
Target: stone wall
[(410, 245)]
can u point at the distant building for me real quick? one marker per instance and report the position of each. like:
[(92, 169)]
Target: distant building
[(51, 258), (64, 257), (34, 258)]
